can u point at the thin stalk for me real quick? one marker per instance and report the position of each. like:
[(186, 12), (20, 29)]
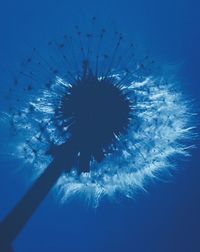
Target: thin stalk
[(15, 221)]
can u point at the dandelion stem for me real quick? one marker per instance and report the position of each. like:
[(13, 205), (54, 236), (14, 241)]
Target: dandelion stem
[(15, 221)]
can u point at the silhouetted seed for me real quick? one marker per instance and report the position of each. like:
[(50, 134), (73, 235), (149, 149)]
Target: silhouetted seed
[(34, 151), (61, 45), (29, 88), (29, 60), (15, 82), (31, 108), (55, 71)]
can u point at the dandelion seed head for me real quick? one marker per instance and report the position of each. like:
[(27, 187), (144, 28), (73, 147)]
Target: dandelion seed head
[(127, 122)]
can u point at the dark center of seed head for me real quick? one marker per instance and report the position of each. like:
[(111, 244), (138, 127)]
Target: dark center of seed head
[(95, 110)]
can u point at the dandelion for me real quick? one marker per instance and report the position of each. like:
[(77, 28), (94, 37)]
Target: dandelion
[(102, 121)]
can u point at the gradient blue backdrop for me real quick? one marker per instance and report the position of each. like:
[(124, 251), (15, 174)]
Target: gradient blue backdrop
[(166, 219)]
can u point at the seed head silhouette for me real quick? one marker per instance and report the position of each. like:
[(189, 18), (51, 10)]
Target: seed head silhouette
[(102, 123), (94, 111)]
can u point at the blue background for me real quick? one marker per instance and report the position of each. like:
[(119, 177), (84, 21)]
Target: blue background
[(167, 217)]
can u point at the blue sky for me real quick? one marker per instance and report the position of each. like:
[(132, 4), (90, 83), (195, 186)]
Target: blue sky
[(166, 218)]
